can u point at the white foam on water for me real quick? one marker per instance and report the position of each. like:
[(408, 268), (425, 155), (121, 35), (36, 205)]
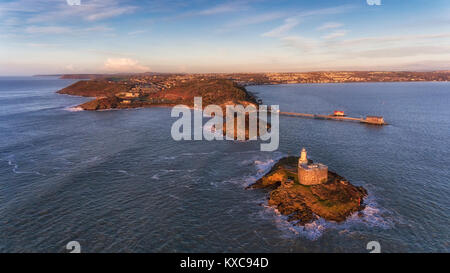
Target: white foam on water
[(156, 177), (311, 231), (263, 166), (15, 169), (166, 158), (246, 162), (124, 172), (194, 154), (74, 109), (372, 216)]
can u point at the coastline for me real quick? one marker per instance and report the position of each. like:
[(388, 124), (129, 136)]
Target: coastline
[(168, 90)]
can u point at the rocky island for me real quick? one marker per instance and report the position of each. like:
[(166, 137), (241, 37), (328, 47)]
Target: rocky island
[(304, 191)]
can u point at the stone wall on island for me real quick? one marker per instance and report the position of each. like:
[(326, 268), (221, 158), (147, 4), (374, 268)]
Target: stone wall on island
[(312, 174)]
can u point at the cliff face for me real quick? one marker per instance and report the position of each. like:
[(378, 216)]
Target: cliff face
[(334, 200)]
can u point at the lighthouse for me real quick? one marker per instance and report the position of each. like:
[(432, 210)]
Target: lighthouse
[(303, 157), (311, 173)]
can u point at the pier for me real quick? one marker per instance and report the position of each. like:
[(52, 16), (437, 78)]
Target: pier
[(375, 120)]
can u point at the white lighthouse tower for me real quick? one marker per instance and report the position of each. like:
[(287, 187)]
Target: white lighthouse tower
[(303, 157), (311, 173)]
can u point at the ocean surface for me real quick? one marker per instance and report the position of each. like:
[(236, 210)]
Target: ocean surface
[(115, 181)]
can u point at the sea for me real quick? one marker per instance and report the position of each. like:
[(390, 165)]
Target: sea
[(116, 181)]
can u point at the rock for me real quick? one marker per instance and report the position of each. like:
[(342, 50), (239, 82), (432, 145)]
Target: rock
[(334, 200)]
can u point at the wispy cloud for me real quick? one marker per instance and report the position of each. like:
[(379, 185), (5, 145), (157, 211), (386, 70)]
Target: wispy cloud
[(47, 30), (393, 39), (289, 23), (289, 15), (326, 11), (300, 42), (137, 32), (109, 12), (37, 11), (255, 19), (329, 25), (404, 51), (43, 45), (335, 34), (224, 8), (63, 30)]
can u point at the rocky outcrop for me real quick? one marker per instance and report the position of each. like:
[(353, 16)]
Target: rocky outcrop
[(333, 200)]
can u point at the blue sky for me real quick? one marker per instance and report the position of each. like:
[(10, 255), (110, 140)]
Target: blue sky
[(107, 36)]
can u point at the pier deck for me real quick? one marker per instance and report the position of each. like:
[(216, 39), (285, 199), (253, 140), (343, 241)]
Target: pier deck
[(332, 117)]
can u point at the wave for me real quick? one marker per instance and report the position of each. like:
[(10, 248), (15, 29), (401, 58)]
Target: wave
[(124, 172), (311, 231), (373, 216), (262, 166), (74, 109), (157, 176), (193, 154), (164, 158)]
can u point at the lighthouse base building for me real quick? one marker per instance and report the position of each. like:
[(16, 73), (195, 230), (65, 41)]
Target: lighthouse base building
[(309, 173)]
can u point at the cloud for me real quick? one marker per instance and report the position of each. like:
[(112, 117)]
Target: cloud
[(109, 12), (137, 32), (271, 16), (299, 42), (289, 23), (406, 51), (224, 8), (63, 30), (326, 11), (44, 45), (329, 25), (124, 65), (37, 11), (393, 39), (70, 67), (47, 30), (255, 19), (335, 34)]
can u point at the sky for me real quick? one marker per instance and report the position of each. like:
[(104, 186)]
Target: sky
[(111, 36)]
